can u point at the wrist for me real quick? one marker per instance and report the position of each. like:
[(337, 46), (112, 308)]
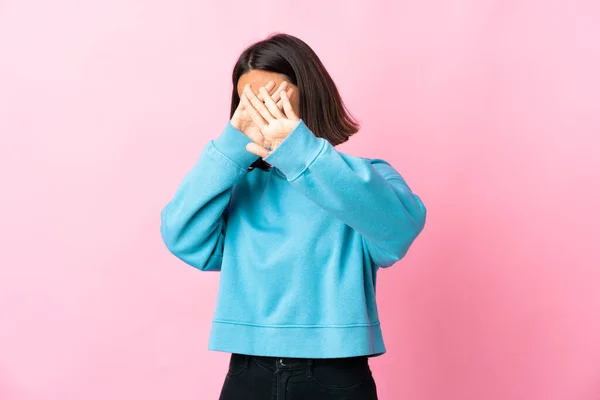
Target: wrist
[(232, 144), (296, 152)]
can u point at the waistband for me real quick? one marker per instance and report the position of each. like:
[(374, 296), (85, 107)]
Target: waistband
[(292, 363)]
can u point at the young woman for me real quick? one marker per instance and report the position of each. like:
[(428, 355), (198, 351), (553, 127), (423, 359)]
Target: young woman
[(297, 229)]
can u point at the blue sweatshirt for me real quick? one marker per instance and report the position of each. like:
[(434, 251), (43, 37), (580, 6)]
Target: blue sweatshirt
[(298, 246)]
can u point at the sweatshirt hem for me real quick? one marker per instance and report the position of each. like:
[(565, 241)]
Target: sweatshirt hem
[(303, 341)]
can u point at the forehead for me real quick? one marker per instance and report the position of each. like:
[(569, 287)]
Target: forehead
[(257, 78)]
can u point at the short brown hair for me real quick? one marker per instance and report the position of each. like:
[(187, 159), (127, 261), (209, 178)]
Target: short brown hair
[(321, 106)]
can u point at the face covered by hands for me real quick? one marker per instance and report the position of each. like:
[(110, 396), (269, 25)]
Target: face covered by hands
[(257, 117), (275, 122), (242, 119)]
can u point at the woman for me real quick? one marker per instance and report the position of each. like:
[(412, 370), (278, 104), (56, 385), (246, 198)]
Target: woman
[(297, 229)]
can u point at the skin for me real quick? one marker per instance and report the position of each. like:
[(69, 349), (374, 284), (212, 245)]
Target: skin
[(257, 78), (268, 109), (274, 123)]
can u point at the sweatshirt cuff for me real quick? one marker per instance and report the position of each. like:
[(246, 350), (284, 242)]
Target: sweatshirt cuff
[(296, 152), (232, 144)]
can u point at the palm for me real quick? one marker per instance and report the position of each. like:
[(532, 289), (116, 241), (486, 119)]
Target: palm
[(272, 124), (252, 131), (274, 120), (242, 121)]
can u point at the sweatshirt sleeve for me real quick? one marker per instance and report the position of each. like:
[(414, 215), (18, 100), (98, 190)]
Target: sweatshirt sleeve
[(370, 196), (193, 223)]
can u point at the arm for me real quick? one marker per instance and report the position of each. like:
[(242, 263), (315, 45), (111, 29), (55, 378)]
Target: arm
[(193, 223), (370, 196)]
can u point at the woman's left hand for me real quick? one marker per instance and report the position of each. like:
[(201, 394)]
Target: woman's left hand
[(274, 124)]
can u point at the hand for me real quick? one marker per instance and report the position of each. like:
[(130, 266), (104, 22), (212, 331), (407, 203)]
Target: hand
[(274, 124), (242, 120)]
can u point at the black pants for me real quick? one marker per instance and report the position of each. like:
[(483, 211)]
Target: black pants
[(272, 378)]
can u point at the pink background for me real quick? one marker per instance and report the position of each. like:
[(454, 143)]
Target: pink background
[(490, 109)]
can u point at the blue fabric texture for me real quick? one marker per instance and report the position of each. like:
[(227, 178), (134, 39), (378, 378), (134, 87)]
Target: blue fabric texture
[(298, 246)]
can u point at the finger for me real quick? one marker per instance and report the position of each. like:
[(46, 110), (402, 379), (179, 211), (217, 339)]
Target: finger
[(274, 90), (257, 104), (287, 107), (280, 102), (270, 104), (276, 96), (269, 86), (254, 114), (255, 148)]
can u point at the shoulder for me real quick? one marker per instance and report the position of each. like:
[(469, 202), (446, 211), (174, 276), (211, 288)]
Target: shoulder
[(384, 167)]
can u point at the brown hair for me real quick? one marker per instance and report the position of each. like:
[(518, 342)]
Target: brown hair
[(321, 106)]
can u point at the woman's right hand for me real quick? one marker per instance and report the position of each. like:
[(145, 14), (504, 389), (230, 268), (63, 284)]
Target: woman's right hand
[(242, 121)]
